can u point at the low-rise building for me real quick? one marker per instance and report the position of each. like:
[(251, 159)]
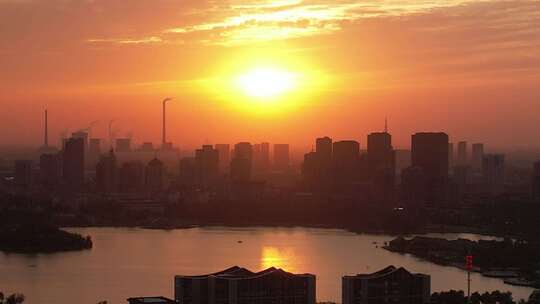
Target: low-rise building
[(238, 285), (389, 285)]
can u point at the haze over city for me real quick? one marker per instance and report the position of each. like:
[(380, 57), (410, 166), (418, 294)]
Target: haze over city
[(469, 68), (269, 151)]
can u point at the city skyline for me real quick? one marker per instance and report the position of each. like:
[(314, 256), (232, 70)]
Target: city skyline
[(448, 70)]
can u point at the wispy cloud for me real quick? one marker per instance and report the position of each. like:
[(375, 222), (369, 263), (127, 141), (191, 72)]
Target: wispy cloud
[(144, 40)]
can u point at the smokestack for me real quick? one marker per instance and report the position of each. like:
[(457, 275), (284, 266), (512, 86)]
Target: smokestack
[(46, 139), (164, 129)]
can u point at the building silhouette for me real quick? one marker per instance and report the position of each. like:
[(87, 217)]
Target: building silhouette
[(242, 162), (50, 170), (106, 173), (536, 181), (462, 156), (381, 164), (281, 157), (207, 162), (324, 149), (451, 159), (414, 188), (131, 177), (147, 147), (389, 285), (188, 171), (493, 173), (477, 156), (154, 176), (73, 163), (24, 173), (429, 151), (239, 285), (224, 151), (94, 151), (123, 144)]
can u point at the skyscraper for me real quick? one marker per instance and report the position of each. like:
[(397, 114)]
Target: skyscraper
[(207, 162), (123, 144), (106, 173), (536, 181), (281, 157), (477, 156), (462, 157), (430, 153), (94, 151), (451, 155), (345, 157), (265, 156), (73, 163), (154, 175), (493, 173), (242, 162), (50, 169), (381, 164), (24, 171), (131, 177), (224, 151), (324, 149)]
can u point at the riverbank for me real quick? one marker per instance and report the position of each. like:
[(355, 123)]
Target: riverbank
[(515, 262), (31, 238)]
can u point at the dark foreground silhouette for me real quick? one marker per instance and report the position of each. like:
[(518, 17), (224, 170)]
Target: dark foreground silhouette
[(39, 238)]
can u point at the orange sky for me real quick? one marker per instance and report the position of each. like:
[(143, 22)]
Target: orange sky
[(467, 67)]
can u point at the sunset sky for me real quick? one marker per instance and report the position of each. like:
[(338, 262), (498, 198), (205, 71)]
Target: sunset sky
[(467, 67)]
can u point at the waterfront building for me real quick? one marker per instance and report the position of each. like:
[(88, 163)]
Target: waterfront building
[(389, 285), (242, 162), (477, 156), (224, 151), (50, 169), (462, 157), (238, 285), (155, 175), (106, 173), (131, 177), (207, 162)]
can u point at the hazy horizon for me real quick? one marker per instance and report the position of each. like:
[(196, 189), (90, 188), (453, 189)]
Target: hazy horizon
[(466, 67)]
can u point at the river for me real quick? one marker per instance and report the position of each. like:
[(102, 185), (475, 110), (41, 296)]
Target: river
[(127, 262)]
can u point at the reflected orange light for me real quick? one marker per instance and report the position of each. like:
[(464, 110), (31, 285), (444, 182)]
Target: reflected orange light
[(278, 258)]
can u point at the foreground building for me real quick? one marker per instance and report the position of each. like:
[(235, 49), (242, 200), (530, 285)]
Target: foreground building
[(238, 285), (389, 285)]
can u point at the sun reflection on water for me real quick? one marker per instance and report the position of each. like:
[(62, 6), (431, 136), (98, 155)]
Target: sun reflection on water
[(283, 258)]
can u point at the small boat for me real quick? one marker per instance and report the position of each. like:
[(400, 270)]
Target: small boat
[(239, 242)]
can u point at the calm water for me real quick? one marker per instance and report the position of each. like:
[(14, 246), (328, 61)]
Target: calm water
[(136, 262)]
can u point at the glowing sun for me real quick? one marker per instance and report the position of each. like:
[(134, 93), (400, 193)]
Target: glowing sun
[(266, 82)]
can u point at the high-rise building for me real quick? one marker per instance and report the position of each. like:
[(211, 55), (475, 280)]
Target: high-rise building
[(381, 163), (324, 149), (239, 285), (84, 136), (265, 156), (131, 177), (147, 147), (389, 285), (345, 157), (413, 188), (451, 155), (477, 156), (493, 173), (106, 173), (188, 171), (462, 157), (24, 173), (50, 169), (536, 181), (242, 162), (73, 163), (281, 157), (154, 175), (94, 151), (123, 144), (430, 153), (224, 151), (207, 162)]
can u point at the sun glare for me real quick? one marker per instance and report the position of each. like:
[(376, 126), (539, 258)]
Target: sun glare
[(264, 83)]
